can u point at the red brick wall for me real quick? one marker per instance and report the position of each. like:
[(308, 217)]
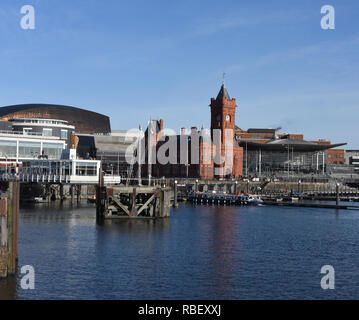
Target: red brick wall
[(335, 156)]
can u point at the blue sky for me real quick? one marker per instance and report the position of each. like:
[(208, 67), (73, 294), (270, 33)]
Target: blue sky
[(132, 60)]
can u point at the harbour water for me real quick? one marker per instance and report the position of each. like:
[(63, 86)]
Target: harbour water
[(201, 252)]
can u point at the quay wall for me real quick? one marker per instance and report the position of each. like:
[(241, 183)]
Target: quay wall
[(264, 187)]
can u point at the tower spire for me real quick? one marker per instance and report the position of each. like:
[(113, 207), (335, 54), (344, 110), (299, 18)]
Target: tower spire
[(223, 93)]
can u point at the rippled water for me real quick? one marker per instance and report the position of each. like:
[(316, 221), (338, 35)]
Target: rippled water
[(201, 252)]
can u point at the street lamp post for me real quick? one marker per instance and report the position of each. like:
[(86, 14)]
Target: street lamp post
[(175, 194), (118, 163), (187, 169), (6, 165), (139, 156), (288, 158), (260, 162), (246, 159)]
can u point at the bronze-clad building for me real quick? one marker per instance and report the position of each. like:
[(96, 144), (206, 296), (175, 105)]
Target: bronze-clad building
[(84, 121)]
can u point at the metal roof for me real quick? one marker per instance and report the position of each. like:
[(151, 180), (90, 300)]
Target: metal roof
[(261, 130), (223, 93), (283, 145)]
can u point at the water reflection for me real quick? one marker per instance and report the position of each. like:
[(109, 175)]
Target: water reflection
[(130, 224), (223, 247), (201, 252)]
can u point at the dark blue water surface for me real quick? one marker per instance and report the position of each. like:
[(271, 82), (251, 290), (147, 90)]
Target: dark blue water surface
[(201, 252)]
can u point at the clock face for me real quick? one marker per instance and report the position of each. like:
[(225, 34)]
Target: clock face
[(228, 117)]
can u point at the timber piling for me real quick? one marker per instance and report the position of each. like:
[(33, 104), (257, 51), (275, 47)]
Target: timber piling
[(132, 202), (9, 220)]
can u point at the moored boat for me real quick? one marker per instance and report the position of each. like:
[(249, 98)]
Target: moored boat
[(254, 199), (221, 198)]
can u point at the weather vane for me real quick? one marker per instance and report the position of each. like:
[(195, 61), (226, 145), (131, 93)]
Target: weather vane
[(224, 75)]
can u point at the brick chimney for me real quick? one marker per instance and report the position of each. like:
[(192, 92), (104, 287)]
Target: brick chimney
[(161, 124)]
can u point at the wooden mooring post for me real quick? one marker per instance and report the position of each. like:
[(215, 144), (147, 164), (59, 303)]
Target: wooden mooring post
[(9, 219)]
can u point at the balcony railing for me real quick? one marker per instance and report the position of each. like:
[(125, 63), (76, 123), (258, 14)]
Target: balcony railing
[(31, 134)]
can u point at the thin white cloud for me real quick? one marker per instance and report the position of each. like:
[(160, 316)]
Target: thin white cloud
[(212, 25), (295, 54)]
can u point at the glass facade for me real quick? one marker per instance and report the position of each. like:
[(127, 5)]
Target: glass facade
[(276, 161), (7, 149), (29, 149), (52, 150), (86, 169), (60, 168)]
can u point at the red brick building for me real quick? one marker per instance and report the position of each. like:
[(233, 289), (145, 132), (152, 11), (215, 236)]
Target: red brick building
[(223, 116), (335, 156), (225, 150), (199, 154)]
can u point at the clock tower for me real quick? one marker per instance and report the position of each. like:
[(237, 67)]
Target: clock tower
[(223, 112)]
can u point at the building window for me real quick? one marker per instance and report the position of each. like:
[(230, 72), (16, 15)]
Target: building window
[(64, 134), (29, 149), (26, 130), (7, 149), (52, 150), (86, 169), (47, 132)]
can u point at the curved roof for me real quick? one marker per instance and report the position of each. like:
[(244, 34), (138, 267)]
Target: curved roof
[(283, 144), (85, 121)]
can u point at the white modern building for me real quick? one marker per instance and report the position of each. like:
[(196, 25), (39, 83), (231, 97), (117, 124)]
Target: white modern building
[(44, 127), (16, 147)]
